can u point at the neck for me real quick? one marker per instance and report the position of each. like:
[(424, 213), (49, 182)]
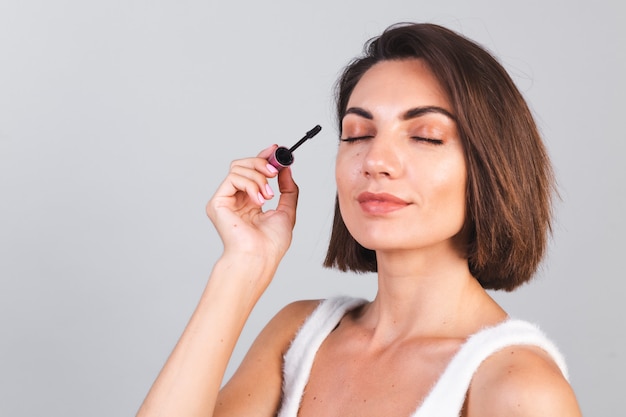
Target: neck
[(427, 295)]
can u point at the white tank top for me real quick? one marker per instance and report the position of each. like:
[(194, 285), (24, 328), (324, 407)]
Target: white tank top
[(446, 397)]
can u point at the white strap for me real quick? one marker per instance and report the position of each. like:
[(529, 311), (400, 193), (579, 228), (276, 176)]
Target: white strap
[(298, 360), (448, 394)]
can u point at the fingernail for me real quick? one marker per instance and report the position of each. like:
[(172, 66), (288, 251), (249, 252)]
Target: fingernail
[(261, 199), (269, 190), (271, 168)]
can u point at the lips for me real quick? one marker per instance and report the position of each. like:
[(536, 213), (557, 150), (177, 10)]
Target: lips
[(380, 203)]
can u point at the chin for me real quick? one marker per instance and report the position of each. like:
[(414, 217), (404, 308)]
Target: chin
[(390, 240)]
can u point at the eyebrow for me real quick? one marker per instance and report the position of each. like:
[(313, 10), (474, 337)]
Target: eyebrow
[(409, 114)]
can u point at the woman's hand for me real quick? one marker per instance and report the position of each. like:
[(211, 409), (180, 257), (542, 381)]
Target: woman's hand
[(236, 209)]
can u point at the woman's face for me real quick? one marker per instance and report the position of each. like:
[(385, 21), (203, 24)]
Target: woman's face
[(400, 170)]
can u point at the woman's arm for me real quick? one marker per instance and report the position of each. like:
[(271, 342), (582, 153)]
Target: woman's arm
[(254, 243), (521, 381), (256, 386)]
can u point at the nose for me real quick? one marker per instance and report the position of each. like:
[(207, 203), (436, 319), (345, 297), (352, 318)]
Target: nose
[(382, 159)]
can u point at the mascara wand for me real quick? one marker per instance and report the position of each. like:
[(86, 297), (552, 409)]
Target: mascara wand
[(283, 157)]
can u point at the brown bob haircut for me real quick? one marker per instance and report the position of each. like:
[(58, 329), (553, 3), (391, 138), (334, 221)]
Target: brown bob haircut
[(510, 180)]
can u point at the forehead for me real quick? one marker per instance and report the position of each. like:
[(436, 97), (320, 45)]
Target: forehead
[(400, 84)]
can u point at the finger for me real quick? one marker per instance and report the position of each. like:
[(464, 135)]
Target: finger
[(250, 176), (243, 175), (260, 163), (289, 192), (257, 170), (267, 152)]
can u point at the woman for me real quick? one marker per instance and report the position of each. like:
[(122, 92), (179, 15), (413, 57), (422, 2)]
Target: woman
[(443, 189)]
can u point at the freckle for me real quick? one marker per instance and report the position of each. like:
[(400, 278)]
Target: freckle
[(248, 394)]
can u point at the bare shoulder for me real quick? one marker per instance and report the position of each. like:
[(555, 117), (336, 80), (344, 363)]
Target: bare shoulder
[(276, 336), (296, 312), (521, 381), (288, 320), (243, 395)]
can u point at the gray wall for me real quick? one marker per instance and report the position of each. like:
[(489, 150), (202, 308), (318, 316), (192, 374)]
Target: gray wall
[(118, 119)]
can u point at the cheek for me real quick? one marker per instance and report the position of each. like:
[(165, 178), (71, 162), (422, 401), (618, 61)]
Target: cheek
[(347, 174), (347, 168), (452, 185), (343, 188), (451, 177), (444, 184)]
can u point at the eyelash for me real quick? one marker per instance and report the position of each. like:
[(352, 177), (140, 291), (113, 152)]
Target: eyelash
[(355, 139), (416, 138), (428, 140)]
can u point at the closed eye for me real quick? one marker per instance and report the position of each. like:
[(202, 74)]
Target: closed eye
[(427, 140), (355, 138)]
